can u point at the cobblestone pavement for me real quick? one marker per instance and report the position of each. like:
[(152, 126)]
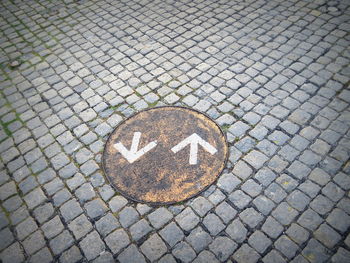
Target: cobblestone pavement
[(274, 74)]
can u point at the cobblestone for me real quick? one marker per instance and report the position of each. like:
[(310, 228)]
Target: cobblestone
[(213, 224), (92, 245), (259, 241), (80, 226), (298, 200), (52, 227), (95, 208), (153, 247), (223, 247), (315, 252), (6, 238), (225, 212), (327, 236), (128, 216), (275, 82), (272, 227), (117, 203), (106, 224), (33, 243), (35, 198), (228, 182), (25, 228), (117, 240), (206, 257), (12, 254), (43, 255), (246, 254), (131, 254), (310, 220), (61, 242), (71, 255), (70, 210), (187, 219), (339, 220), (160, 217), (341, 256), (184, 252), (251, 217)]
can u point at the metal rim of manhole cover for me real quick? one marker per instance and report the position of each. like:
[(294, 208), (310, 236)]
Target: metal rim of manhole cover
[(164, 155)]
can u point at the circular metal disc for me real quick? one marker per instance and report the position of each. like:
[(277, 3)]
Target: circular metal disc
[(164, 155)]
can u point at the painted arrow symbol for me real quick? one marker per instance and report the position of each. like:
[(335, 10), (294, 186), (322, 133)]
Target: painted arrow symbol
[(194, 140), (133, 154)]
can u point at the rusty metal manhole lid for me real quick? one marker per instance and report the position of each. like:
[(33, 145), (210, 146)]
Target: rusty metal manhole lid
[(164, 155)]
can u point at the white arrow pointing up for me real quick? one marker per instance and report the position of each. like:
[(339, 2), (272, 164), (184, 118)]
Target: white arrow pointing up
[(133, 154), (193, 141)]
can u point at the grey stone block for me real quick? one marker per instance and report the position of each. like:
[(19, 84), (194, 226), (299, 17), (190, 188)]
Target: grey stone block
[(228, 182), (342, 256), (263, 204), (327, 236), (339, 220), (131, 255), (259, 241), (284, 213), (153, 248), (187, 219), (33, 243), (140, 229), (92, 245), (273, 256), (237, 231), (201, 205), (6, 238), (225, 212), (106, 224), (128, 216), (95, 208), (61, 242), (25, 228), (160, 217), (35, 198), (85, 192), (53, 227), (223, 247), (117, 203), (213, 224), (172, 234), (44, 212), (272, 227), (251, 217), (245, 254), (206, 257), (240, 199), (298, 200), (12, 254), (275, 192), (310, 220), (117, 240), (183, 252), (286, 246), (315, 252), (71, 255), (80, 226), (43, 255)]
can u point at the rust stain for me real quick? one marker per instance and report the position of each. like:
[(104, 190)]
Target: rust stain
[(161, 176)]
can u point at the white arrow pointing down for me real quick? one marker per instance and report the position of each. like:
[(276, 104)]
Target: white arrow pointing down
[(133, 154), (193, 141)]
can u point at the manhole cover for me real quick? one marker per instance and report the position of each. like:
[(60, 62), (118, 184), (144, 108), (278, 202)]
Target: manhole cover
[(164, 155)]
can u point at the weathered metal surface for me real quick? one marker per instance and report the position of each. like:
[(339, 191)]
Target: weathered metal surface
[(161, 176)]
